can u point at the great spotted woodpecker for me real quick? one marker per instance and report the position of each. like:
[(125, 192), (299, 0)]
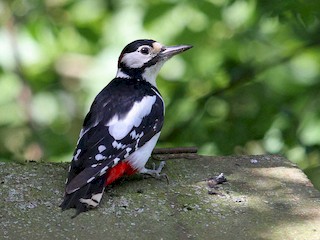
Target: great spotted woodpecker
[(122, 126)]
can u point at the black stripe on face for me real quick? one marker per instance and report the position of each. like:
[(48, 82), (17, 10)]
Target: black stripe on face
[(152, 62), (137, 72), (133, 46)]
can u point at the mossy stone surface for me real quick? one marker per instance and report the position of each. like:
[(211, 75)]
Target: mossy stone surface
[(266, 197)]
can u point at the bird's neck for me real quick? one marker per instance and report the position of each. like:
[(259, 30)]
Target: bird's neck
[(122, 74), (148, 74)]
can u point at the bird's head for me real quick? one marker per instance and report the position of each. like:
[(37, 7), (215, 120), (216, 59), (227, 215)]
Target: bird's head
[(144, 58)]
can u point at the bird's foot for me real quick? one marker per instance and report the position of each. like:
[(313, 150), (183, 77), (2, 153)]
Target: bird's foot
[(156, 172)]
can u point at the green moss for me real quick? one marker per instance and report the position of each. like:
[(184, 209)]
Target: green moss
[(267, 199)]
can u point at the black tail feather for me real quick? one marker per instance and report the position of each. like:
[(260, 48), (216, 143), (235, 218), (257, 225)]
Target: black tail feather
[(78, 198)]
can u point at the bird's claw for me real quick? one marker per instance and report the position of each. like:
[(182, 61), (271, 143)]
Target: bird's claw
[(156, 172)]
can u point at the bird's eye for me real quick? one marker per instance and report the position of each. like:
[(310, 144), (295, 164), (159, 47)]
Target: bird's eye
[(144, 50)]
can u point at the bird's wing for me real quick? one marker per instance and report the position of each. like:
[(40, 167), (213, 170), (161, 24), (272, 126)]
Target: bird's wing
[(115, 127)]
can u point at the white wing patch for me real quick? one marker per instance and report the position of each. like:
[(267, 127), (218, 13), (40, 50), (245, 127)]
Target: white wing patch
[(119, 128)]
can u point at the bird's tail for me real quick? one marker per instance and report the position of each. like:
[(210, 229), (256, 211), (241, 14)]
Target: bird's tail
[(85, 198)]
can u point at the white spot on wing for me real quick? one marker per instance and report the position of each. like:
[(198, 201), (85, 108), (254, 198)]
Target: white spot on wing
[(137, 144), (90, 179), (101, 148), (115, 161), (117, 145), (77, 155), (103, 170), (74, 190), (119, 128), (99, 157), (133, 134), (128, 152)]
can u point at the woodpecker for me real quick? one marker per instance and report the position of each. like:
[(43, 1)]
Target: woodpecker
[(122, 126)]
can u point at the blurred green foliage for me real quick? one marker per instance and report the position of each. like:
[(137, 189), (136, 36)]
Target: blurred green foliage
[(250, 85)]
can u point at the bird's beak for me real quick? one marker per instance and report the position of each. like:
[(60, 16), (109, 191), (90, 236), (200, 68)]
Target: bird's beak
[(168, 52)]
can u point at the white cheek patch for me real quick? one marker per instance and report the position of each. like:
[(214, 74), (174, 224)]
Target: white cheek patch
[(135, 59), (118, 129)]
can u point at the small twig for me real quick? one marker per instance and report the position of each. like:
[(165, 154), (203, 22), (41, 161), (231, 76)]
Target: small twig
[(164, 157), (178, 150), (175, 153)]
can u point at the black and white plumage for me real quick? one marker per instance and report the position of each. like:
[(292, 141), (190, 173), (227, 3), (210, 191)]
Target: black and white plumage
[(122, 126)]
